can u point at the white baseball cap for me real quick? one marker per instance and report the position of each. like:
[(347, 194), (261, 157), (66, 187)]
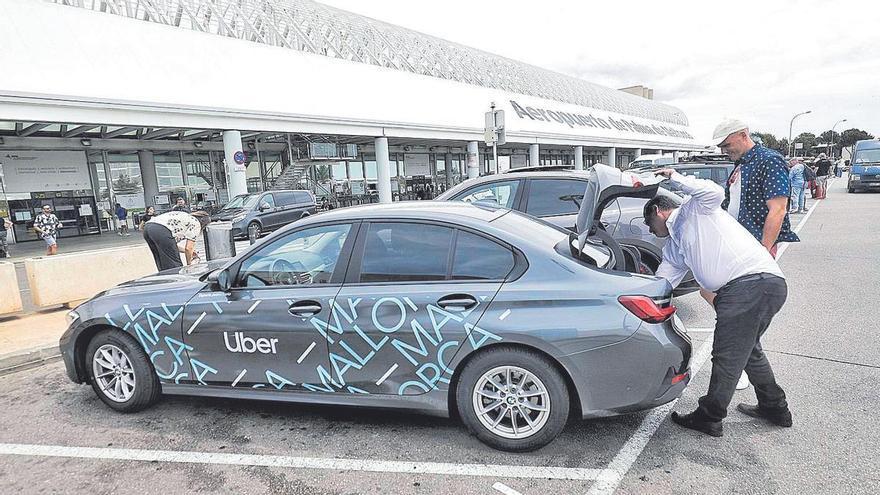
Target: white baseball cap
[(727, 127)]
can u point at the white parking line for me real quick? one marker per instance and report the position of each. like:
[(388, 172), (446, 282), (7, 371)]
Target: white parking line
[(797, 229), (611, 477), (374, 466), (506, 490)]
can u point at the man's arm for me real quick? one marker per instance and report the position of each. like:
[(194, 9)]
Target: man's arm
[(672, 268), (707, 194), (777, 189), (773, 223)]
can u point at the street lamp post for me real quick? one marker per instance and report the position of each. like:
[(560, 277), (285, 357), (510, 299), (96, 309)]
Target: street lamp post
[(790, 125), (832, 137)]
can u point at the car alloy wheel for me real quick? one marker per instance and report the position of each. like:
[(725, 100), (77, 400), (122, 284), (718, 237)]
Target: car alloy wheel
[(114, 373), (511, 402)]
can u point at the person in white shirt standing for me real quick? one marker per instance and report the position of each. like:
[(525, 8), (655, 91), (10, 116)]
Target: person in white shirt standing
[(740, 278)]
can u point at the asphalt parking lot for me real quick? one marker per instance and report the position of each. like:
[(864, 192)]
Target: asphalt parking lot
[(823, 346)]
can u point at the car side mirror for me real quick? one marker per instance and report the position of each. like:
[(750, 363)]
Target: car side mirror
[(264, 206), (220, 279)]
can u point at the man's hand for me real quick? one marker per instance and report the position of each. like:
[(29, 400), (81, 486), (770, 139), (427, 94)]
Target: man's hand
[(665, 172), (778, 208)]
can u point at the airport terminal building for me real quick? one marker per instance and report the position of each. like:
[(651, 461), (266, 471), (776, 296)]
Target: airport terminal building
[(142, 102)]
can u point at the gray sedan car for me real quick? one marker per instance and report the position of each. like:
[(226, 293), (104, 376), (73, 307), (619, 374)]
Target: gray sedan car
[(555, 197), (437, 308)]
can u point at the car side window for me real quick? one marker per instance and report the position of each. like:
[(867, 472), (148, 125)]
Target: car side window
[(551, 197), (405, 252), (268, 198), (302, 258), (502, 193), (478, 258), (284, 198), (302, 197)]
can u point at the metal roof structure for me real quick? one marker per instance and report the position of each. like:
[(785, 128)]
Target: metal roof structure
[(311, 27)]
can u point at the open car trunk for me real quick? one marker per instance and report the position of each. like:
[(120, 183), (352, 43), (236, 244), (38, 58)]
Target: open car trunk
[(592, 244)]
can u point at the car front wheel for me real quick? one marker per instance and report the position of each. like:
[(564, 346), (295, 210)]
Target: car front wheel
[(120, 372), (513, 399)]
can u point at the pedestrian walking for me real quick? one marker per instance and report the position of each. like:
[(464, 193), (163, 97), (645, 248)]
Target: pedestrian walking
[(798, 181), (122, 220), (743, 283), (823, 170), (148, 214), (5, 225), (163, 232), (757, 191), (47, 224), (181, 205)]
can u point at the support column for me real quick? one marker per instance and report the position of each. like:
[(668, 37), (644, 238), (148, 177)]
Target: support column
[(473, 160), (235, 172), (383, 170), (578, 157), (675, 156), (448, 160), (534, 155), (147, 163), (612, 157), (637, 153)]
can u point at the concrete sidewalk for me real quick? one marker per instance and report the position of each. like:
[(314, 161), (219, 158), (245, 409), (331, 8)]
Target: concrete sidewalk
[(30, 340)]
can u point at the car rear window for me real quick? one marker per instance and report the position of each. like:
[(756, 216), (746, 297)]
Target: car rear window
[(406, 252), (551, 197)]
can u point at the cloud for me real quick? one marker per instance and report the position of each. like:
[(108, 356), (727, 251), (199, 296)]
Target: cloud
[(763, 61)]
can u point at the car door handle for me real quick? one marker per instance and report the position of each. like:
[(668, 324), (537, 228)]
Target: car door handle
[(457, 302), (304, 308)]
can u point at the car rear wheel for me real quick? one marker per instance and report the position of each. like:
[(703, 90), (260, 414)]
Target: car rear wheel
[(512, 399), (120, 372)]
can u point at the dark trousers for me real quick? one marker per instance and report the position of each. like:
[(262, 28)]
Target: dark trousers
[(744, 309), (163, 246)]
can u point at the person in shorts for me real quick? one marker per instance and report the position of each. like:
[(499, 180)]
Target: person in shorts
[(47, 224)]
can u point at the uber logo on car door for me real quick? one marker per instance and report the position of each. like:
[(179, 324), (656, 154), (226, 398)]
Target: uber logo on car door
[(242, 343)]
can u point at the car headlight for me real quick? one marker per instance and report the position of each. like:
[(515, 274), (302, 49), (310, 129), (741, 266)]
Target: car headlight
[(72, 316), (239, 217), (855, 177)]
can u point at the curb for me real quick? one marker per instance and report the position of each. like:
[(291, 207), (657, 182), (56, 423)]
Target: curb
[(28, 358)]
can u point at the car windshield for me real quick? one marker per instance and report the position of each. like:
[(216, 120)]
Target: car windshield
[(867, 156), (245, 201)]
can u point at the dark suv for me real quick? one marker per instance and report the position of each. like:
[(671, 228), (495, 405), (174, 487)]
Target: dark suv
[(265, 211)]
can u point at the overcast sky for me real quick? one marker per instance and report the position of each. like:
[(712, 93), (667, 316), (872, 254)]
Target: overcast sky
[(762, 61)]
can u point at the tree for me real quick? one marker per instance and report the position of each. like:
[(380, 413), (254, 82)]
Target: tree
[(809, 140), (849, 137), (770, 141)]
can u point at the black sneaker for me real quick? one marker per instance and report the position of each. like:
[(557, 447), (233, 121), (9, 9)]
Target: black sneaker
[(779, 417), (696, 421)]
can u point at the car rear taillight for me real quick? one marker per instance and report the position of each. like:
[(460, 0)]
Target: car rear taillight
[(646, 309)]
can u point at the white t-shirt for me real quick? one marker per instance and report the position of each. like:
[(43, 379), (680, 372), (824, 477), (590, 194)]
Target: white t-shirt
[(735, 195)]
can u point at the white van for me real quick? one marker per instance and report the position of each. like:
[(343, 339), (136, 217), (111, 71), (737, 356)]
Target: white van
[(651, 161)]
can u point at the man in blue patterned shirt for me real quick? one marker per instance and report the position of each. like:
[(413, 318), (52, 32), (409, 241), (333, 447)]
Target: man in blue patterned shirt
[(757, 191)]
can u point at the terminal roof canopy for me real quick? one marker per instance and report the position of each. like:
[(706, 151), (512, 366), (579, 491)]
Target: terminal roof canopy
[(283, 60)]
